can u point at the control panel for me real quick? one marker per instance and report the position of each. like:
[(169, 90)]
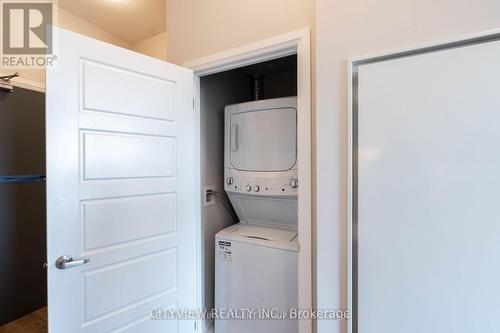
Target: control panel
[(262, 183)]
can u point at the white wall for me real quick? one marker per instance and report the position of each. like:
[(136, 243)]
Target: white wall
[(345, 29), (200, 28), (155, 46)]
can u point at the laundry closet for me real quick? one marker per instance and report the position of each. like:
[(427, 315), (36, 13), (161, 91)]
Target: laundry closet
[(249, 178)]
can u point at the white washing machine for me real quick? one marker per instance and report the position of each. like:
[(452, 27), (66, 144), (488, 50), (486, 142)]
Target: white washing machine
[(256, 259), (256, 268)]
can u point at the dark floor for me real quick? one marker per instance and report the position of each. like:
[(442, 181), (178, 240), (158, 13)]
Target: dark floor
[(35, 322)]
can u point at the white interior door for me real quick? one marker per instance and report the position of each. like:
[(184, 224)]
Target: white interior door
[(120, 190)]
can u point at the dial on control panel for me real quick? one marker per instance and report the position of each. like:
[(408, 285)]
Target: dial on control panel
[(294, 183), (229, 180), (256, 188), (248, 188)]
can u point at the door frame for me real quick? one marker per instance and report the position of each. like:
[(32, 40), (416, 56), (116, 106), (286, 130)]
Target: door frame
[(295, 42)]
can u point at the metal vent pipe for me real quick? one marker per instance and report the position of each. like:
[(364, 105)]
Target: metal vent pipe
[(257, 89)]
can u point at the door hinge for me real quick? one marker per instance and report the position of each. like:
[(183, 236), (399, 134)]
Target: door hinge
[(196, 326), (194, 104)]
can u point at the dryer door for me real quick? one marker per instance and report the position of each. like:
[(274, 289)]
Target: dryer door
[(264, 140)]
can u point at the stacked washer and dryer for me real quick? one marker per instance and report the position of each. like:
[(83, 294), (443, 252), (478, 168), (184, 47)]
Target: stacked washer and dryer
[(256, 259)]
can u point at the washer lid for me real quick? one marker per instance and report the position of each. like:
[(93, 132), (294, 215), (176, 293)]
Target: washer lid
[(272, 211), (264, 233)]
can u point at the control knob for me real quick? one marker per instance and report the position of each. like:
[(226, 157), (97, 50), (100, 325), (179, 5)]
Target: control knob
[(248, 188), (229, 180), (294, 183), (256, 188)]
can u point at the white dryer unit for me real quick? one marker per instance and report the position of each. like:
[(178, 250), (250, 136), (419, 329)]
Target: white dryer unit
[(256, 259), (260, 161)]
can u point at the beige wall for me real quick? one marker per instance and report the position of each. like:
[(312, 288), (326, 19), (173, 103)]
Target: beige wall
[(155, 46), (74, 23), (347, 28), (198, 28)]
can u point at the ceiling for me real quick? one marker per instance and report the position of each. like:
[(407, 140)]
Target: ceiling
[(129, 20)]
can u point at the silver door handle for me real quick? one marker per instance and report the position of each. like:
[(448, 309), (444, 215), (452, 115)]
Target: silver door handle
[(65, 262)]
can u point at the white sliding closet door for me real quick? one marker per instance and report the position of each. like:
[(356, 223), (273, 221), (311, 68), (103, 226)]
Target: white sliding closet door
[(428, 193)]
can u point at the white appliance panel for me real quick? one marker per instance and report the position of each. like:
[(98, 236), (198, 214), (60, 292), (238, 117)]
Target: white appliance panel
[(250, 276), (276, 184), (260, 161), (261, 136), (264, 140)]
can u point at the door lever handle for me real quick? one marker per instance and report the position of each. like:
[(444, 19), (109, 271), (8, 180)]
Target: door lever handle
[(65, 262)]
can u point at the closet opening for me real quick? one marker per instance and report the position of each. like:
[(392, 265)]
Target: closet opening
[(23, 247), (249, 186)]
